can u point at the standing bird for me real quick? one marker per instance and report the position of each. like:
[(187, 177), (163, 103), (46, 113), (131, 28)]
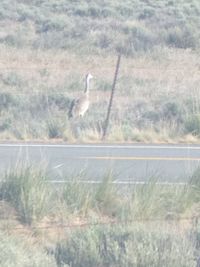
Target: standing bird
[(80, 105)]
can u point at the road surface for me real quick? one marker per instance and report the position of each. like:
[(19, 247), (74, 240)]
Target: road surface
[(129, 163)]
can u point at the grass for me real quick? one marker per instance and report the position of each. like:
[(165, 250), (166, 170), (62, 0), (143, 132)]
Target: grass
[(121, 225), (125, 246), (47, 48), (16, 251), (93, 27), (153, 115), (27, 190)]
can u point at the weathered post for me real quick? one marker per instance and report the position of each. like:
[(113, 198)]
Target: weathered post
[(111, 99)]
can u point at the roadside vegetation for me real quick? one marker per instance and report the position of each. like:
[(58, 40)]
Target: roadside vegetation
[(77, 224), (47, 47)]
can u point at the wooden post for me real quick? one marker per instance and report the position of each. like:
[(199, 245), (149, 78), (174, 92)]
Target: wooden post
[(111, 99)]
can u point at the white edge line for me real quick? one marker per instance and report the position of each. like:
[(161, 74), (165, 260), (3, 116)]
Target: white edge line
[(115, 182), (104, 146), (58, 166)]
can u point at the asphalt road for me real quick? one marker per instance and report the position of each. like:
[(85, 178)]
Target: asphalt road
[(129, 163)]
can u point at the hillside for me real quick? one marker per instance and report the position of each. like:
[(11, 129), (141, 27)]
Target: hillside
[(95, 26)]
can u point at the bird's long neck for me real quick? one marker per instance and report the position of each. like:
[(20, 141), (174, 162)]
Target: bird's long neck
[(87, 86)]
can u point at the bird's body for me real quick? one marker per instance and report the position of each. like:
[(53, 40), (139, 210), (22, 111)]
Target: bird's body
[(80, 105)]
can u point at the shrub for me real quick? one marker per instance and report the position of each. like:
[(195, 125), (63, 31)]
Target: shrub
[(103, 85), (195, 185), (12, 79), (147, 13), (41, 104), (104, 41), (20, 253), (15, 40), (27, 190), (59, 100), (181, 38), (106, 196), (52, 25), (6, 101), (77, 196), (141, 39), (55, 129), (125, 246), (192, 124), (172, 111)]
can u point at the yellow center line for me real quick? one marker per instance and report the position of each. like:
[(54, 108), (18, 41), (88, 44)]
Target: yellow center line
[(141, 158)]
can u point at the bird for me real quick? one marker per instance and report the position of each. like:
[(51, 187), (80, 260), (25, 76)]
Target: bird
[(80, 105)]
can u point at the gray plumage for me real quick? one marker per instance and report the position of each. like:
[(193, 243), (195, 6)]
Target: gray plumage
[(80, 105)]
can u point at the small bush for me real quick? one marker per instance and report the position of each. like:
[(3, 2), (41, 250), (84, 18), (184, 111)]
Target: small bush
[(147, 13), (21, 253), (58, 100), (125, 246), (27, 190), (12, 79), (106, 196), (195, 185), (54, 129), (5, 125), (7, 100), (140, 39), (104, 85), (173, 111), (52, 25), (192, 124), (15, 40), (77, 197), (181, 38)]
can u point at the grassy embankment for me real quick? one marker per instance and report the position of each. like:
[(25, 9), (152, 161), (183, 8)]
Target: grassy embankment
[(80, 225), (47, 47)]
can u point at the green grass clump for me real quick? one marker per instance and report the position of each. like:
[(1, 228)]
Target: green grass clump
[(19, 252), (192, 124), (27, 190), (144, 201), (126, 246), (55, 130), (77, 197), (131, 225), (81, 198), (107, 197)]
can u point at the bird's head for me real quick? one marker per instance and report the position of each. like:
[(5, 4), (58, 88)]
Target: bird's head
[(89, 76)]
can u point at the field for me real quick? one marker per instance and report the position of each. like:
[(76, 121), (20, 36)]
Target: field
[(46, 48), (96, 225)]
